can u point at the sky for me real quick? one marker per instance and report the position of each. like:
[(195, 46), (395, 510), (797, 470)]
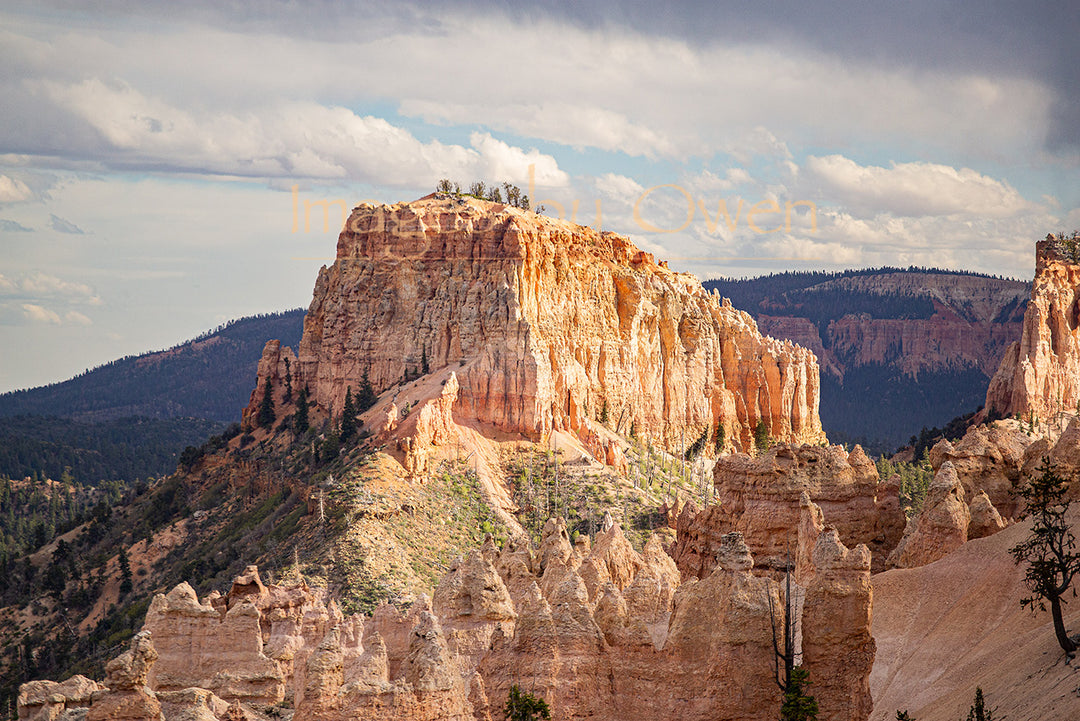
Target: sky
[(156, 158)]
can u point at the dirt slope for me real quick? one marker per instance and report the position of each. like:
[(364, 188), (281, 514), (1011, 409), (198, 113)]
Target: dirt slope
[(945, 628)]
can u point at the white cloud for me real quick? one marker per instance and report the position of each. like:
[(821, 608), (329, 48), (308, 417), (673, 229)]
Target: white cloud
[(618, 187), (13, 190), (77, 318), (38, 314), (40, 285), (287, 139), (912, 189)]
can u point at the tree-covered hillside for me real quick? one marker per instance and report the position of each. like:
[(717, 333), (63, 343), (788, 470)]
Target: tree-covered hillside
[(123, 449), (208, 377)]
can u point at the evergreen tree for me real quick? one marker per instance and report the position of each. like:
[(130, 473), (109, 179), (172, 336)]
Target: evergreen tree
[(697, 446), (721, 436), (331, 447), (761, 436), (903, 716), (798, 705), (125, 573), (424, 367), (267, 415), (288, 381), (300, 417), (523, 706), (348, 417), (979, 712), (1050, 548), (366, 397), (604, 417)]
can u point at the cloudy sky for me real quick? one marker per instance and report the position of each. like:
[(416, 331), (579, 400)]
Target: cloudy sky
[(149, 155)]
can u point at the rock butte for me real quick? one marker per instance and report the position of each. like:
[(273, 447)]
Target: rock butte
[(602, 633), (1040, 375), (543, 324)]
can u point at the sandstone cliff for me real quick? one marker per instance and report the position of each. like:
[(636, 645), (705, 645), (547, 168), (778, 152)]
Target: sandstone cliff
[(599, 631), (1040, 375), (761, 497), (545, 324)]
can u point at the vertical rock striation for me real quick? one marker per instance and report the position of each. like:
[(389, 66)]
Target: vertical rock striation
[(1040, 375), (545, 323)]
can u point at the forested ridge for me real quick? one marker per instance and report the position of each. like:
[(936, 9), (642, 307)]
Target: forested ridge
[(210, 376), (875, 404)]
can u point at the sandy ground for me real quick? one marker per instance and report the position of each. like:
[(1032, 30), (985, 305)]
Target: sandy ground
[(948, 627)]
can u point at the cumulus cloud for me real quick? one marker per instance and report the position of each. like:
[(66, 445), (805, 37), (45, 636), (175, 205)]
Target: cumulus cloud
[(40, 285), (60, 225), (13, 190), (286, 139), (38, 314), (912, 189)]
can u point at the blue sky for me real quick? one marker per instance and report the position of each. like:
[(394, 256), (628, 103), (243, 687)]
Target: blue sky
[(147, 161)]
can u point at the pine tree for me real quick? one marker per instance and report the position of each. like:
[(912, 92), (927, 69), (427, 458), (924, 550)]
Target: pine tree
[(125, 573), (604, 417), (288, 381), (1049, 550), (721, 436), (798, 705), (424, 367), (979, 712), (761, 436), (366, 397), (348, 417), (300, 417), (267, 415)]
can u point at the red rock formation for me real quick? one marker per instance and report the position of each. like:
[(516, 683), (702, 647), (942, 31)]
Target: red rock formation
[(599, 632), (1040, 375), (545, 323), (838, 649), (127, 695), (940, 527), (990, 459), (49, 701), (761, 498), (972, 325)]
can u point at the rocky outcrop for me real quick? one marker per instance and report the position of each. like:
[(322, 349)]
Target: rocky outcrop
[(127, 695), (989, 458), (838, 648), (545, 324), (1039, 376), (761, 497), (600, 631), (51, 701), (940, 527)]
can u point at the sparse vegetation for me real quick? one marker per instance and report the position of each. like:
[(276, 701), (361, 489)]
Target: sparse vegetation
[(978, 710), (1049, 550), (915, 480), (523, 706), (509, 194), (761, 436), (798, 704)]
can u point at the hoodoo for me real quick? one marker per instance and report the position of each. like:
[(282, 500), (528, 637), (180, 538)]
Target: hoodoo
[(1039, 377)]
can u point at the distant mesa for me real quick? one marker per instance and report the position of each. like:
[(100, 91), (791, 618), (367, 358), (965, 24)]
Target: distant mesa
[(544, 326)]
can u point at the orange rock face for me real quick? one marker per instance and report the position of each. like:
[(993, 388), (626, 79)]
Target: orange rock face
[(600, 632), (838, 649), (545, 324), (1040, 375), (761, 497)]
